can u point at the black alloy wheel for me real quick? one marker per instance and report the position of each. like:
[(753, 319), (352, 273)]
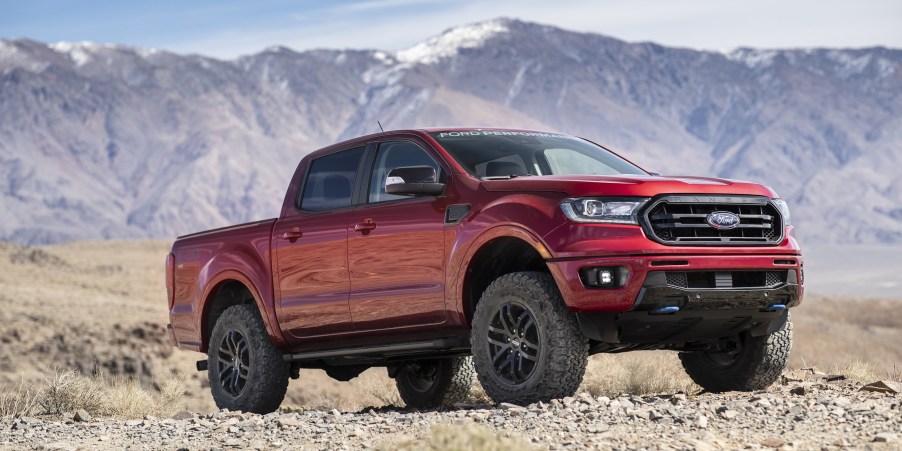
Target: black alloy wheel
[(429, 383), (234, 362), (526, 344), (245, 369), (514, 342)]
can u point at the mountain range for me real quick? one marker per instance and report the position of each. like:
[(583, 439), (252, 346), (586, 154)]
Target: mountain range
[(110, 141)]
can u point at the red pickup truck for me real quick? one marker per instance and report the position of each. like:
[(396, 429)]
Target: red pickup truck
[(511, 254)]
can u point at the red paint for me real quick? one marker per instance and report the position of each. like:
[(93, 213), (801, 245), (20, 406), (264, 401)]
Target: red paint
[(378, 273)]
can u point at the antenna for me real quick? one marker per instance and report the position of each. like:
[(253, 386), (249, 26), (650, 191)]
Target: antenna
[(380, 126)]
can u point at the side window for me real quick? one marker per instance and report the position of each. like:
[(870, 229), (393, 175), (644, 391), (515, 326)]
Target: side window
[(395, 155), (330, 181)]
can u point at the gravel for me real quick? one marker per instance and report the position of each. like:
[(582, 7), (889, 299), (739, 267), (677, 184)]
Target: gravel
[(794, 415)]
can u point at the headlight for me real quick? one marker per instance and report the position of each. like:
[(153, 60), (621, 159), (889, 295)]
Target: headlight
[(607, 210), (784, 210)]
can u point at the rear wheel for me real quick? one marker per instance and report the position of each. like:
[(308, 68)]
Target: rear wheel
[(752, 363), (246, 371), (527, 346), (431, 383)]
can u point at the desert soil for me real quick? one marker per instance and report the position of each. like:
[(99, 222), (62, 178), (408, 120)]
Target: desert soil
[(814, 413)]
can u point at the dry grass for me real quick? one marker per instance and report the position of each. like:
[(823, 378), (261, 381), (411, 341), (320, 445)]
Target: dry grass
[(68, 391), (463, 437), (636, 373), (19, 401)]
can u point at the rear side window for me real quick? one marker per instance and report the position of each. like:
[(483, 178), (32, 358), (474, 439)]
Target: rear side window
[(330, 181)]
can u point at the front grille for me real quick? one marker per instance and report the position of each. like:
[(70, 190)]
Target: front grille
[(725, 279), (682, 220)]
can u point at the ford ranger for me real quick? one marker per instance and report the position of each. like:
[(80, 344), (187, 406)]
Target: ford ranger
[(511, 254)]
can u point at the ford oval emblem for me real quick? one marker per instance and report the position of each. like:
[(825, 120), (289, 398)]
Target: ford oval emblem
[(723, 220)]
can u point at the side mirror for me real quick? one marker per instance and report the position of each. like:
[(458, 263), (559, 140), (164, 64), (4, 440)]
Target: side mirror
[(413, 181)]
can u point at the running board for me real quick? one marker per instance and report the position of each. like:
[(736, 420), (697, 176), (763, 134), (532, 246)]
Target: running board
[(442, 344)]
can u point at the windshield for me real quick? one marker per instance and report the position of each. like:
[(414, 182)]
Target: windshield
[(508, 154)]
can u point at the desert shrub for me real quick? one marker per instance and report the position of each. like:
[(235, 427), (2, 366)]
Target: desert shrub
[(858, 370), (18, 401), (128, 399), (636, 373), (68, 391)]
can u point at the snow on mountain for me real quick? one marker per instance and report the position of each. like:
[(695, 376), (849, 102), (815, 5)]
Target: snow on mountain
[(108, 141), (451, 41)]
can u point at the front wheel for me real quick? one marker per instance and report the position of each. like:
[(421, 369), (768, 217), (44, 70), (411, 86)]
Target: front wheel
[(527, 346), (246, 371), (425, 384), (754, 363)]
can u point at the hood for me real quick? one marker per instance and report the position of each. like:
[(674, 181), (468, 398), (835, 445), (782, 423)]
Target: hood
[(628, 185)]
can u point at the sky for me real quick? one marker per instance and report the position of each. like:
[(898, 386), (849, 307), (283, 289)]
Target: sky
[(230, 28)]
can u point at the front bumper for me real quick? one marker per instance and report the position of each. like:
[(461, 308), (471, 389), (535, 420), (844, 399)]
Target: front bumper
[(644, 287)]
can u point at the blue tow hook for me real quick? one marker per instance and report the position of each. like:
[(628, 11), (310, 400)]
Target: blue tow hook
[(775, 307), (665, 310)]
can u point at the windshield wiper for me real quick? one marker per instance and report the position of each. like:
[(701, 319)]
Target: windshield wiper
[(506, 177)]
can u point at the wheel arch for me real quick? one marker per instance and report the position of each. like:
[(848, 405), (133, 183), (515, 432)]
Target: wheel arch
[(227, 289), (522, 251)]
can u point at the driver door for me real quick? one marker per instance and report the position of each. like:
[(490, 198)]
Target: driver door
[(396, 250)]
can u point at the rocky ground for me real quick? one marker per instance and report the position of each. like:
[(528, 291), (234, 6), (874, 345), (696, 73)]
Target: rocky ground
[(814, 411)]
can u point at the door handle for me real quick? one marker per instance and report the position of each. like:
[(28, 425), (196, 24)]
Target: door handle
[(293, 234), (365, 227)]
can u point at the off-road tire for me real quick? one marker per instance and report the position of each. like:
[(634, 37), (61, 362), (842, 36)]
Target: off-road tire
[(266, 371), (759, 363), (450, 382), (562, 349)]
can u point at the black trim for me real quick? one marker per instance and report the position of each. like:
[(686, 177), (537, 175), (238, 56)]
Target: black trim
[(456, 213), (381, 351), (675, 330)]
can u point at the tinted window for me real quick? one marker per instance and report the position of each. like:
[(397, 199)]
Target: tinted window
[(503, 153), (330, 181), (395, 155)]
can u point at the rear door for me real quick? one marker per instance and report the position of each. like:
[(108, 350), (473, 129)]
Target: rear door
[(311, 249), (396, 248)]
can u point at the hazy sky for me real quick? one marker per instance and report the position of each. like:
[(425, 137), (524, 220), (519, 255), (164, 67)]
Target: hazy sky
[(227, 28)]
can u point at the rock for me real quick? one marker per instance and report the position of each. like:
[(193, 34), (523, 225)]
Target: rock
[(772, 442), (82, 415), (834, 378), (729, 414), (701, 421), (798, 391), (509, 406), (183, 415), (288, 422), (133, 423), (883, 387), (842, 401), (885, 437)]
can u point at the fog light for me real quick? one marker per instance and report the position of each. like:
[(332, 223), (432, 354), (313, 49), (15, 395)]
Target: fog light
[(603, 277)]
